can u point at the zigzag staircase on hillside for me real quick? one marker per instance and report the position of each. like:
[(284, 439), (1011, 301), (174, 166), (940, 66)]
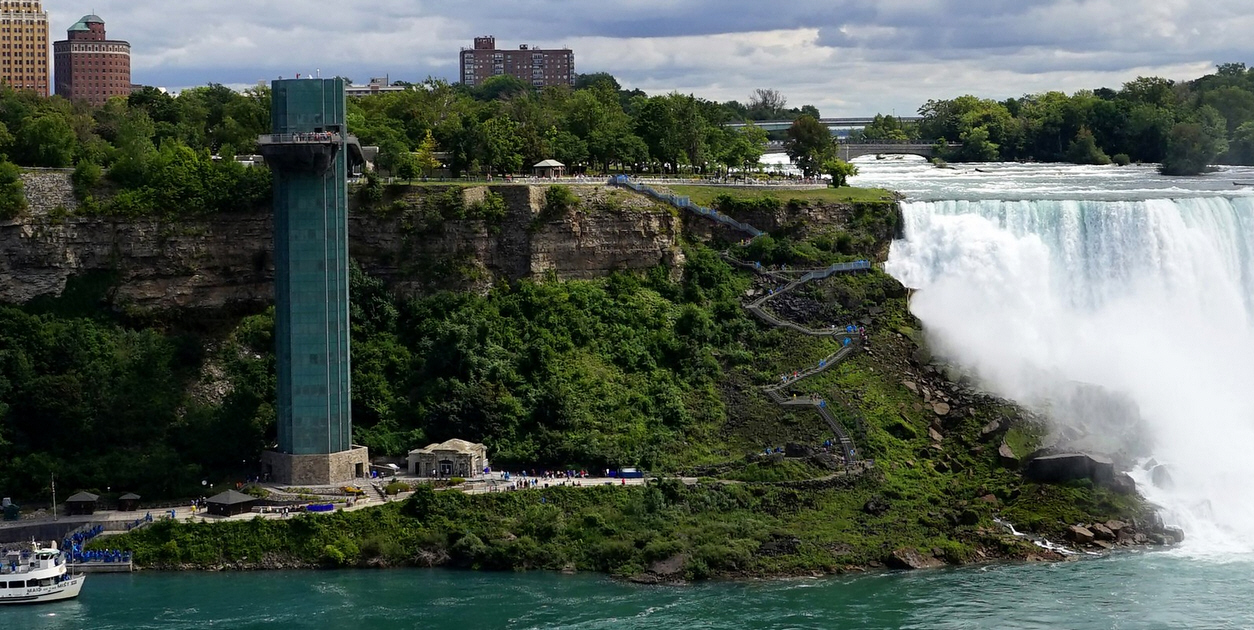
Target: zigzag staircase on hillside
[(849, 339)]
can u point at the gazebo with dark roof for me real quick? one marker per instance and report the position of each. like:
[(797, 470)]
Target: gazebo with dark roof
[(82, 503), (230, 503), (128, 502)]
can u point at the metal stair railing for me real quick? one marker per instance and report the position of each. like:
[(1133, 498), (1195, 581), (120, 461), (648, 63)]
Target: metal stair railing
[(684, 203), (775, 392)]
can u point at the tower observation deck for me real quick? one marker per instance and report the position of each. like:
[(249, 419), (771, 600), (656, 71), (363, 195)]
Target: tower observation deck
[(309, 153)]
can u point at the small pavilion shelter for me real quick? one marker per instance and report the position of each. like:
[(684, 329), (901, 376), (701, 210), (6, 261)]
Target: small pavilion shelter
[(128, 502), (81, 504), (230, 503), (549, 168)]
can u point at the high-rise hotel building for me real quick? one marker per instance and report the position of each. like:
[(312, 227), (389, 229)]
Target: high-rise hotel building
[(90, 66), (539, 67), (24, 45)]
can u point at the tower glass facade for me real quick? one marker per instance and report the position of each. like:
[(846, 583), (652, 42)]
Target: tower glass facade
[(311, 266)]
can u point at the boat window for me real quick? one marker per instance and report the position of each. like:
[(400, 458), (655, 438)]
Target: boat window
[(46, 582), (32, 583), (17, 584)]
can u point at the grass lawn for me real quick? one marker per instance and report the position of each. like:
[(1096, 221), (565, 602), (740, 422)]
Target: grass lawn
[(705, 195)]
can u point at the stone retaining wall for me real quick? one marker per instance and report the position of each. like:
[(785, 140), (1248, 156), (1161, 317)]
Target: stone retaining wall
[(48, 191)]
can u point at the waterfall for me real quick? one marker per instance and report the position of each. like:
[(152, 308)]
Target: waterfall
[(1150, 300)]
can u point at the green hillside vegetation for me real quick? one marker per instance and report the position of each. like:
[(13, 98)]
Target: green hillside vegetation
[(615, 372), (749, 519), (707, 195)]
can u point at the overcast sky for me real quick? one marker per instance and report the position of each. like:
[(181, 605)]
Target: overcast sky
[(848, 57)]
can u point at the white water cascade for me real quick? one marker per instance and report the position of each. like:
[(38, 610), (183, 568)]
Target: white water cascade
[(1149, 299)]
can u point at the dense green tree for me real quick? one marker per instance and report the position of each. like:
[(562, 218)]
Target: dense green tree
[(743, 148), (840, 171), (976, 147), (1084, 149), (809, 144), (657, 124), (1235, 104), (501, 87), (392, 152), (406, 167), (597, 81), (1193, 146), (885, 128), (424, 159), (1241, 148), (959, 117), (12, 191), (502, 146), (566, 147), (48, 140), (1155, 91)]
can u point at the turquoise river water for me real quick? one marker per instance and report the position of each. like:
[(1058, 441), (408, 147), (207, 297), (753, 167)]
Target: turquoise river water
[(1134, 590)]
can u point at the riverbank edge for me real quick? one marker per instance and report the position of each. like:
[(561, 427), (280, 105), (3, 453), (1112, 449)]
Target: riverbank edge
[(1037, 555)]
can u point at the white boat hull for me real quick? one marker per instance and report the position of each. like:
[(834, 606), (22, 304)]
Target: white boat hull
[(39, 594)]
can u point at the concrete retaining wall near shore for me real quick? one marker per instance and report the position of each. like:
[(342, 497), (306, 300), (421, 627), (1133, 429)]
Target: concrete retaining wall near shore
[(38, 531)]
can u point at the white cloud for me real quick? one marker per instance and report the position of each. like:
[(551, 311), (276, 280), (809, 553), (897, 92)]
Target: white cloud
[(846, 56)]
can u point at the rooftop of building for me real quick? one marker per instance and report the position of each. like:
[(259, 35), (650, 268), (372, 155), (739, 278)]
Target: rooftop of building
[(82, 23), (449, 445)]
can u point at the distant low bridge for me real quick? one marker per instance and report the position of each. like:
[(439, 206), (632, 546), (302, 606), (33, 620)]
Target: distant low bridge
[(835, 124), (850, 150)]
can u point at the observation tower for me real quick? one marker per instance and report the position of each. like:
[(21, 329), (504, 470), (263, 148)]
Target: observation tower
[(311, 156)]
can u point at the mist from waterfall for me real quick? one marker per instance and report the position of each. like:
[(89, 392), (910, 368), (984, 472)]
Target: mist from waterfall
[(1150, 299)]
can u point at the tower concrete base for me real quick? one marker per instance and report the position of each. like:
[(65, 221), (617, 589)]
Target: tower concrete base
[(317, 470)]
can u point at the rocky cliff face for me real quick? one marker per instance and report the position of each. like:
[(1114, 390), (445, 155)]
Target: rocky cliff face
[(606, 230), (225, 261)]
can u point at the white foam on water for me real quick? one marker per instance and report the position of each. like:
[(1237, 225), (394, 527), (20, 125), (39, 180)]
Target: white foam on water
[(1150, 298)]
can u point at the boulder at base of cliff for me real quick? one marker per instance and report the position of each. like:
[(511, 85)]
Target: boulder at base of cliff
[(911, 559), (876, 506), (1123, 484), (1174, 534), (1071, 466), (798, 450), (992, 429), (1160, 476), (1007, 456), (1102, 532), (1080, 535)]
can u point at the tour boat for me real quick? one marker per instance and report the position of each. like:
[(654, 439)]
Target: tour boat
[(29, 577)]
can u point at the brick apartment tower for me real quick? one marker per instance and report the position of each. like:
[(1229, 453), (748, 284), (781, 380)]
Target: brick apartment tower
[(539, 67), (24, 61), (308, 152), (89, 66)]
